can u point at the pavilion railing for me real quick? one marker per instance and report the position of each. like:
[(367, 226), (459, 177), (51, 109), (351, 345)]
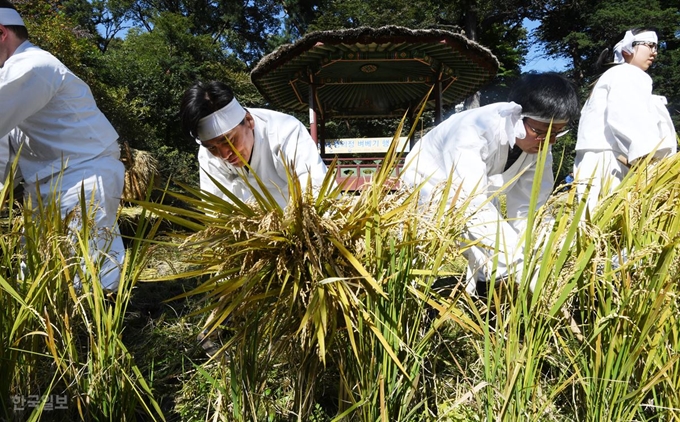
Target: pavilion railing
[(355, 172)]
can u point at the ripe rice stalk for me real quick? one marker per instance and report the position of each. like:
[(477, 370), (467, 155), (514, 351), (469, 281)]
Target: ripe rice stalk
[(599, 331), (63, 331), (332, 279), (521, 315), (632, 291), (15, 308), (141, 173)]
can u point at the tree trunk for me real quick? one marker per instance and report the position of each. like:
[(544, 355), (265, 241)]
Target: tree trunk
[(577, 62)]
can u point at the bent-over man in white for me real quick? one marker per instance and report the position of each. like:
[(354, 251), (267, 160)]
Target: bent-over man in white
[(484, 149), (231, 136), (276, 137)]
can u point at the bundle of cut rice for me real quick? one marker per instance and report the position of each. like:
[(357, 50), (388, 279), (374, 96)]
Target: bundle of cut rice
[(141, 170)]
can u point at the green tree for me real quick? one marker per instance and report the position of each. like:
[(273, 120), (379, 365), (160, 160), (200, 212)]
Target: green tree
[(104, 19), (241, 27), (59, 34), (138, 81)]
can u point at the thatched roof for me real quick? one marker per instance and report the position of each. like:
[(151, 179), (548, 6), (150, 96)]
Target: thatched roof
[(367, 72)]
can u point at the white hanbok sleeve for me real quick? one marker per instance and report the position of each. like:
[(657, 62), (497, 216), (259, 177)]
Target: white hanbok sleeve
[(486, 223), (25, 88), (424, 171), (464, 150), (669, 139), (518, 197), (300, 150), (457, 150)]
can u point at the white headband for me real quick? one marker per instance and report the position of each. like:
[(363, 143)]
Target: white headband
[(221, 121), (626, 44), (544, 120), (9, 16)]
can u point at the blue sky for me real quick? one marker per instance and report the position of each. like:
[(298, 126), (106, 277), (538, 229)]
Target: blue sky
[(536, 59)]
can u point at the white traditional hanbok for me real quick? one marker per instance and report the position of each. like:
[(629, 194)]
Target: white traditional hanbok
[(475, 146), (66, 143), (621, 122)]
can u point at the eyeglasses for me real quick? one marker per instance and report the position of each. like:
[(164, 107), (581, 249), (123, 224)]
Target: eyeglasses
[(213, 147), (542, 134), (652, 45), (231, 140)]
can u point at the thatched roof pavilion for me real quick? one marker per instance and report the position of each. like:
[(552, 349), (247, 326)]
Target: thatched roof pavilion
[(373, 72)]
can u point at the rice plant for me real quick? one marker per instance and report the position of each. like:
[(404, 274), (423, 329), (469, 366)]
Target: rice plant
[(329, 306), (596, 339), (627, 364), (61, 333), (334, 282)]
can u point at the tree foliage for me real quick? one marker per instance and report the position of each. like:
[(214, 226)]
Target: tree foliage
[(153, 69), (105, 19), (496, 25), (51, 29), (139, 56), (241, 27)]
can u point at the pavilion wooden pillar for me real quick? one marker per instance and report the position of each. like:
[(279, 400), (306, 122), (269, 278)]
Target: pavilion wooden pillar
[(412, 121), (313, 130), (321, 132), (438, 100)]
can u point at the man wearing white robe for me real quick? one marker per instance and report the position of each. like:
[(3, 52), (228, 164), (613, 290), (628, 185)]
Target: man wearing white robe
[(236, 144), (231, 136), (66, 142), (276, 135), (622, 122), (484, 149)]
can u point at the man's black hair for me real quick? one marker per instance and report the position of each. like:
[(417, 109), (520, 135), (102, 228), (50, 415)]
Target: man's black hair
[(20, 31), (547, 95), (6, 4), (201, 100)]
